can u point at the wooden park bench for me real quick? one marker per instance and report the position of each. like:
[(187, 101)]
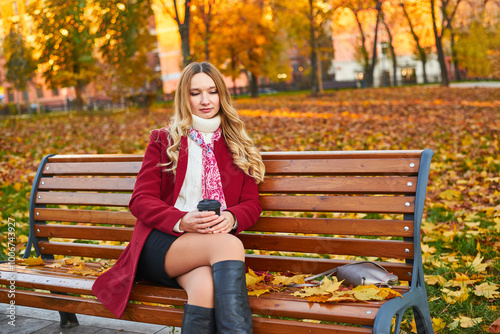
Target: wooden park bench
[(321, 210)]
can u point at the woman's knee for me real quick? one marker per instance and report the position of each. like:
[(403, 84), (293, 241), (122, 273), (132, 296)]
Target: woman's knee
[(229, 248)]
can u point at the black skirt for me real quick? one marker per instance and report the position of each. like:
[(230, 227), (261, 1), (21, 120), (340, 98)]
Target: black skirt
[(151, 266)]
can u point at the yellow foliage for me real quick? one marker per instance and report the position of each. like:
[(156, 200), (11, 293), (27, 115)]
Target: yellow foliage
[(297, 279), (452, 297), (487, 290), (32, 261)]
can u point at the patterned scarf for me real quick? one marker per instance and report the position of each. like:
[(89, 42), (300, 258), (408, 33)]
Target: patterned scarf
[(211, 184)]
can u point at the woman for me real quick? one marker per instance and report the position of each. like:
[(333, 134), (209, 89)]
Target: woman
[(204, 153)]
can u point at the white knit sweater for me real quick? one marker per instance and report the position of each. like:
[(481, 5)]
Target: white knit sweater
[(190, 193)]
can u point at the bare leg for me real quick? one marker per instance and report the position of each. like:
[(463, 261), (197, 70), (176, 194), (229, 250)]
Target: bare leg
[(199, 286), (190, 258)]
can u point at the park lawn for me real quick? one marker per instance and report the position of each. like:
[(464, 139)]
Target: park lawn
[(461, 229)]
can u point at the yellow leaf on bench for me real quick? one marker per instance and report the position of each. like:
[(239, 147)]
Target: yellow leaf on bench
[(252, 278), (366, 292), (83, 270), (298, 279), (258, 292), (32, 261)]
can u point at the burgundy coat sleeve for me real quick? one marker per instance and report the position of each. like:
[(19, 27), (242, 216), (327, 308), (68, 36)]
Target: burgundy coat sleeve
[(149, 200), (248, 209)]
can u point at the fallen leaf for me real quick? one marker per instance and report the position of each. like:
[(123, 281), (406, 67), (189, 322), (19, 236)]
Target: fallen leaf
[(297, 279), (257, 292), (252, 278), (453, 297), (33, 261), (466, 322), (438, 324), (495, 326), (487, 290)]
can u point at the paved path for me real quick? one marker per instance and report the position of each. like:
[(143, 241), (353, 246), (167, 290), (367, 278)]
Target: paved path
[(33, 320), (478, 84)]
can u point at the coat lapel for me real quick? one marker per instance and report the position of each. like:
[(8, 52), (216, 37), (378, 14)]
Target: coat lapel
[(181, 167)]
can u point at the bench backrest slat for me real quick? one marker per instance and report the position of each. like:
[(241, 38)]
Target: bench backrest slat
[(105, 233), (328, 245), (340, 185), (343, 167), (85, 183), (368, 227), (93, 168), (367, 204), (84, 216)]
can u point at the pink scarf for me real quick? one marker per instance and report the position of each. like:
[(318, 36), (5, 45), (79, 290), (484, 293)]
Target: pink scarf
[(211, 184)]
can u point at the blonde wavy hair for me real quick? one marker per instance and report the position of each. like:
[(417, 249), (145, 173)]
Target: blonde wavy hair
[(245, 154)]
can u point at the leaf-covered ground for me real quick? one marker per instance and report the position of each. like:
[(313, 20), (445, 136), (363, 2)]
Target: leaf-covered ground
[(462, 223)]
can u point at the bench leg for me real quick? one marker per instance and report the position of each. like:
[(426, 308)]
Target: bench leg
[(423, 323), (68, 320)]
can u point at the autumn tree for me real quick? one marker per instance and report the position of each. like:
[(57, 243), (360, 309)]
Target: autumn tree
[(448, 9), (66, 40), (359, 8), (472, 50), (20, 66), (246, 43), (183, 20), (307, 28), (412, 12), (204, 21), (369, 79), (124, 42)]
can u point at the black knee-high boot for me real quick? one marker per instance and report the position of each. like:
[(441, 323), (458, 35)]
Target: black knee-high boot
[(198, 320), (232, 310)]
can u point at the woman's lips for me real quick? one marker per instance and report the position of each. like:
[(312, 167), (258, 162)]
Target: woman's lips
[(206, 110)]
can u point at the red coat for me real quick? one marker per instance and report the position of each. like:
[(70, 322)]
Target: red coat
[(152, 203)]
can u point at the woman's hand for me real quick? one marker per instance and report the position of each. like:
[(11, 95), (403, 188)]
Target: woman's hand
[(226, 223), (207, 222)]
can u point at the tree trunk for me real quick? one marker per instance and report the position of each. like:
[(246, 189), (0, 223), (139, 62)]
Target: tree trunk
[(393, 54), (186, 51), (314, 62), (439, 46), (364, 52), (374, 55), (18, 102), (254, 85), (421, 51), (455, 60), (320, 74)]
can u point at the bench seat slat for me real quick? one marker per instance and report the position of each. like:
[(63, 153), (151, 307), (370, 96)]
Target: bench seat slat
[(84, 216), (93, 168), (83, 232), (76, 249), (373, 227), (324, 245), (75, 198), (357, 204), (314, 265), (160, 315), (92, 184), (343, 167), (339, 185)]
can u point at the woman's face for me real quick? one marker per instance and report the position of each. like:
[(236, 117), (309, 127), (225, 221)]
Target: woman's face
[(203, 96)]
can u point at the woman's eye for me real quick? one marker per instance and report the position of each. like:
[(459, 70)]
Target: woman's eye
[(214, 92), (194, 93)]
